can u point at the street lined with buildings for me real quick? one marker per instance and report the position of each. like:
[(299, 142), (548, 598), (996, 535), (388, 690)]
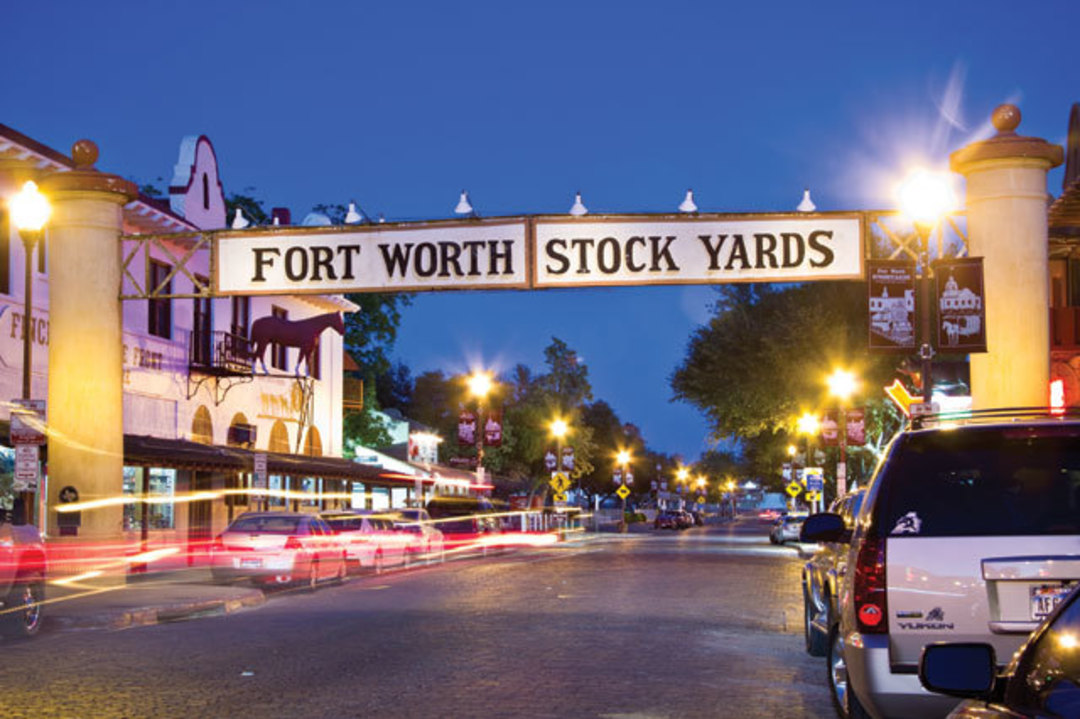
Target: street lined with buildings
[(642, 624)]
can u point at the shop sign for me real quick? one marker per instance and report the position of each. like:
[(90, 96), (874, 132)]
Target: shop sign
[(259, 459), (891, 290), (961, 312)]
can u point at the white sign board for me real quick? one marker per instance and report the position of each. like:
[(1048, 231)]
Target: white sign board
[(539, 252), (27, 421), (400, 258), (696, 250), (26, 467), (260, 470)]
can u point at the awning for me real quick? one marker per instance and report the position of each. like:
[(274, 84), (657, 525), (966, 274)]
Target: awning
[(141, 451)]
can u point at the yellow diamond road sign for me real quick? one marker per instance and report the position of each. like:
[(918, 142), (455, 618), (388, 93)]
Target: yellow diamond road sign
[(622, 491), (559, 481), (701, 500), (794, 488)]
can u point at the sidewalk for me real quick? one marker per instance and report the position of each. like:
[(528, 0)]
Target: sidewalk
[(145, 600)]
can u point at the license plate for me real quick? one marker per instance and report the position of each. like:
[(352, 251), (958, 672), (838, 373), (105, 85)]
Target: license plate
[(250, 563), (1045, 597)]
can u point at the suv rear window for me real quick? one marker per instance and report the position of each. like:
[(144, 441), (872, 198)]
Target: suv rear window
[(984, 481)]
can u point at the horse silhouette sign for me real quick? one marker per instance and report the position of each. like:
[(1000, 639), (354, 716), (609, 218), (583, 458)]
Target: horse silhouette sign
[(540, 252)]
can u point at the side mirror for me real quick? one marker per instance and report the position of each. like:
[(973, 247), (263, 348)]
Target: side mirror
[(824, 527), (965, 670)]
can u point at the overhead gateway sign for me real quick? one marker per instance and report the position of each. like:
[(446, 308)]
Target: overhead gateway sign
[(432, 256), (697, 250), (540, 252)]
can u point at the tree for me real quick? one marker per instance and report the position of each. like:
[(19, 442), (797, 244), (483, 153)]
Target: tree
[(762, 359)]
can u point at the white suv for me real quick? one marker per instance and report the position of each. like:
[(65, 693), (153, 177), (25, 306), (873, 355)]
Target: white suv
[(969, 532)]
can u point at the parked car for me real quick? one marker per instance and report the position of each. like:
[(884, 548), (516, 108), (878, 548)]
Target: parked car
[(666, 520), (465, 521), (429, 544), (786, 528), (961, 536), (820, 577), (278, 548), (1042, 680), (370, 538), (22, 577)]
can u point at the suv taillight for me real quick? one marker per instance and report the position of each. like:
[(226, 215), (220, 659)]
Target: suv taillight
[(868, 588), (293, 543)]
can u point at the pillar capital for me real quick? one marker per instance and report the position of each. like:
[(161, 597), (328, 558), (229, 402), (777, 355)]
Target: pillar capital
[(85, 179), (1006, 146)]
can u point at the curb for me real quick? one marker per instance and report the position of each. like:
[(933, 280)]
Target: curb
[(148, 616)]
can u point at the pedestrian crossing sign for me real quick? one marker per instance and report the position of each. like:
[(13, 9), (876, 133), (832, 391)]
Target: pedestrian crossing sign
[(559, 481)]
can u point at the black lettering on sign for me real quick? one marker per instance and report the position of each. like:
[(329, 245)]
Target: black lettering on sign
[(553, 249), (738, 253), (322, 259), (582, 244), (766, 247), (713, 250), (396, 258), (827, 255), (662, 252), (505, 257), (794, 251), (349, 251), (450, 252), (608, 256), (262, 261), (427, 259), (631, 264), (474, 247), (291, 262)]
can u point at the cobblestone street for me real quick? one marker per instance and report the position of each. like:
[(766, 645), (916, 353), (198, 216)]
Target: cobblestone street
[(695, 624)]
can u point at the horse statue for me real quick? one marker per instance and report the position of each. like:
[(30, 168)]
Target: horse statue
[(302, 334)]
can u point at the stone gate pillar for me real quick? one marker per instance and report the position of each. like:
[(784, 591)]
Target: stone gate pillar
[(1007, 227), (85, 398)]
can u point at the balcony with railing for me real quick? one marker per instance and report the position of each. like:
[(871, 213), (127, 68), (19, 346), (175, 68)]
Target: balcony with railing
[(219, 353)]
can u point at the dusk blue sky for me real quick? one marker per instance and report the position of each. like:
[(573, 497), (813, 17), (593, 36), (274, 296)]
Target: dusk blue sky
[(399, 106)]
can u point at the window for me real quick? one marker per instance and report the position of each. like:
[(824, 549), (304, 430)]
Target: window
[(159, 482), (205, 192), (279, 353), (159, 322), (241, 316), (202, 326)]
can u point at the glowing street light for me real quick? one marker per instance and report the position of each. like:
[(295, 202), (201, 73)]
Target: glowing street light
[(480, 385), (925, 197), (30, 211), (623, 459), (842, 384), (808, 425)]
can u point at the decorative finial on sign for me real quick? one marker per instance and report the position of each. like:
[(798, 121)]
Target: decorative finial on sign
[(85, 154), (807, 205), (1006, 118), (687, 205), (464, 207), (239, 222), (578, 208), (355, 216)]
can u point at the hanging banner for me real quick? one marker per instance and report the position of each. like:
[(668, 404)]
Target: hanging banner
[(493, 428), (568, 459), (891, 290), (466, 429), (550, 460), (830, 429), (961, 314), (856, 427)]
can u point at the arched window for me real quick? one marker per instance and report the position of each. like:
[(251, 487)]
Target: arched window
[(202, 427), (313, 444), (279, 438), (205, 192)]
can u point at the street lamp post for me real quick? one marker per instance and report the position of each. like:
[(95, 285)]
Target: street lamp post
[(842, 384), (480, 384), (808, 425), (925, 197), (623, 460), (29, 211), (559, 429)]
